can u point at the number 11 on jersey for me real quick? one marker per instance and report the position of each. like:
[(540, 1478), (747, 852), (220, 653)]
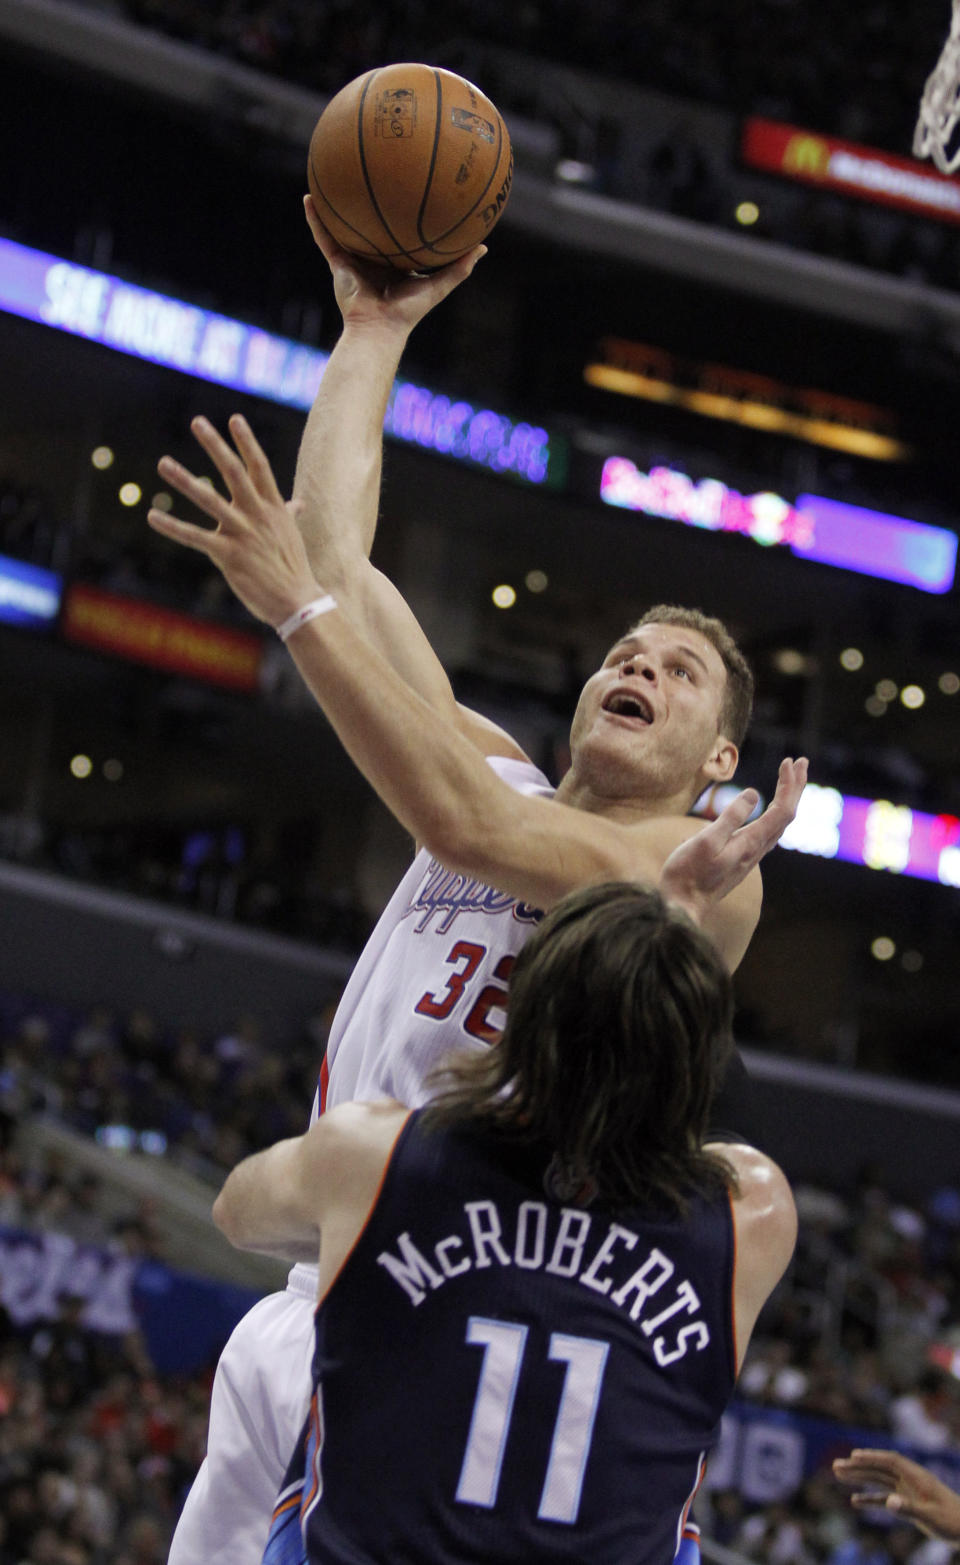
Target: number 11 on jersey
[(504, 1343)]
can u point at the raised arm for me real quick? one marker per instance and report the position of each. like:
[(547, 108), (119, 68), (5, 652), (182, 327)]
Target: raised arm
[(425, 770), (337, 482)]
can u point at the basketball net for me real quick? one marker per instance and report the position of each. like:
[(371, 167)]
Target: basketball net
[(940, 105)]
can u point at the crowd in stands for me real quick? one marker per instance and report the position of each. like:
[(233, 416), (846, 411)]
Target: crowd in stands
[(207, 1102), (96, 1449), (853, 70)]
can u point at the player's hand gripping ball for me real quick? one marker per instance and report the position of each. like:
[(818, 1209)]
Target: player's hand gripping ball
[(410, 166)]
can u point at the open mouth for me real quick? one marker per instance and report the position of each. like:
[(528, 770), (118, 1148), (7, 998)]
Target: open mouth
[(622, 703)]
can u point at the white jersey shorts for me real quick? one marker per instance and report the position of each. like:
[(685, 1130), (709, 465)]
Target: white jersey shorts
[(261, 1393)]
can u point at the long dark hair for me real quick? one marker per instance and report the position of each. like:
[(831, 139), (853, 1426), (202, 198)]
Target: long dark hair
[(618, 1027)]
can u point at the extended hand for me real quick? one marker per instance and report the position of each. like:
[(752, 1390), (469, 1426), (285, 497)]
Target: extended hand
[(708, 865), (256, 543), (378, 295), (889, 1481)]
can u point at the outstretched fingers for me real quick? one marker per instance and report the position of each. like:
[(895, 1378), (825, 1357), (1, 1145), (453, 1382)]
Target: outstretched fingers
[(236, 473), (765, 832), (201, 493), (255, 459), (734, 816), (201, 539)]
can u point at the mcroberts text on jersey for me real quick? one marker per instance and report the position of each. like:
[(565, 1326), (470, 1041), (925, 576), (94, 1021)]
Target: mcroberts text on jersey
[(566, 1242)]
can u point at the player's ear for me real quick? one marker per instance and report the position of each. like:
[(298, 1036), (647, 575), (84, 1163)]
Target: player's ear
[(722, 760)]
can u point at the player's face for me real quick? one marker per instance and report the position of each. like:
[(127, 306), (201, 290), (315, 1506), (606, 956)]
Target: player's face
[(648, 721)]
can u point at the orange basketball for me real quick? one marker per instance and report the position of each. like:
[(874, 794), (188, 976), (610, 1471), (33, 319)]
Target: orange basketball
[(410, 166)]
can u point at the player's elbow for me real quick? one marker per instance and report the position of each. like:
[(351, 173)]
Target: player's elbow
[(226, 1216), (458, 836)]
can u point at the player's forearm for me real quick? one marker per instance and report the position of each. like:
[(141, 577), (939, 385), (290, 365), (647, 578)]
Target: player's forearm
[(430, 777), (339, 463), (256, 1209)]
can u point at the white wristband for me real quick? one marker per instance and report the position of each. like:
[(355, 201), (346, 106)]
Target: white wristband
[(308, 612)]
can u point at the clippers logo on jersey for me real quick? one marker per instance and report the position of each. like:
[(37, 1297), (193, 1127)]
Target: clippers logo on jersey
[(651, 1293), (448, 894)]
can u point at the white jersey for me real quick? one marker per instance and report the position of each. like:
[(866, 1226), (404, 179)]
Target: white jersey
[(432, 976)]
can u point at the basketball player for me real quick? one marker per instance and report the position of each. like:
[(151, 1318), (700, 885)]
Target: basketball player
[(434, 972), (535, 1294)]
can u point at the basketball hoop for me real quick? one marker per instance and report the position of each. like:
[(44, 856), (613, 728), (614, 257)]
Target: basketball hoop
[(940, 105)]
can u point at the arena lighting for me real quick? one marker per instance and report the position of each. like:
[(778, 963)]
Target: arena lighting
[(832, 532), (870, 832), (876, 833), (718, 391), (167, 331), (29, 595)]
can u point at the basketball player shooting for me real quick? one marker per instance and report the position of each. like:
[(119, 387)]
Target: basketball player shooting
[(658, 722), (535, 1294)]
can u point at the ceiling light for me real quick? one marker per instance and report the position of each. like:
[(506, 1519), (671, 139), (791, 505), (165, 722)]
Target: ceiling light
[(81, 766), (949, 684), (787, 660), (536, 581), (883, 948), (886, 690), (574, 172), (913, 696), (875, 706), (747, 213), (130, 494), (504, 596), (102, 457), (851, 658)]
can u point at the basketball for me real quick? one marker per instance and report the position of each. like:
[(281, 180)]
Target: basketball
[(410, 166)]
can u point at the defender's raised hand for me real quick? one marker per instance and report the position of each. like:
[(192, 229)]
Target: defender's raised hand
[(255, 542), (708, 865)]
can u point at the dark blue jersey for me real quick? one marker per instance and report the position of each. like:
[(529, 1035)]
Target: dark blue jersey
[(502, 1377)]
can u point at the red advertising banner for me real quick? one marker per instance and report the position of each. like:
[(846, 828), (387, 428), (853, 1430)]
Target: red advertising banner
[(161, 638), (847, 167)]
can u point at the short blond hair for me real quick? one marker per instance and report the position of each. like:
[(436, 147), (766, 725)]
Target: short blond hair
[(736, 707)]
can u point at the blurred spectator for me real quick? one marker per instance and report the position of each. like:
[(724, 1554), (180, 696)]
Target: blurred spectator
[(921, 1417)]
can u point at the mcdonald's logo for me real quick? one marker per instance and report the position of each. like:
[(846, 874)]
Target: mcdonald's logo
[(806, 155)]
